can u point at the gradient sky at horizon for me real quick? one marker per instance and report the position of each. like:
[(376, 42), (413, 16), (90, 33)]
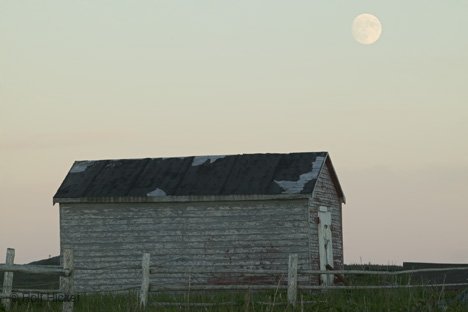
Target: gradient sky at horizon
[(124, 79)]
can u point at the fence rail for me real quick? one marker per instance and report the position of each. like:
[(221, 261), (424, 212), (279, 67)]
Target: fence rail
[(402, 272), (35, 269), (154, 270), (65, 293), (381, 286)]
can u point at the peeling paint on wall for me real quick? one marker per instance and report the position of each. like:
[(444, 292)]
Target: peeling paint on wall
[(81, 166), (156, 192), (200, 160), (295, 187)]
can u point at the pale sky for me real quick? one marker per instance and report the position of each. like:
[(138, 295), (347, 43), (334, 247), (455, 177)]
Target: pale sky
[(94, 79)]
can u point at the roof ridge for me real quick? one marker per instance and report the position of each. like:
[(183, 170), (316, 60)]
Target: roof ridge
[(204, 155)]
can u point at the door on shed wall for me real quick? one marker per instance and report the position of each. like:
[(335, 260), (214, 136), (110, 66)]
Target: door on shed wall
[(325, 243)]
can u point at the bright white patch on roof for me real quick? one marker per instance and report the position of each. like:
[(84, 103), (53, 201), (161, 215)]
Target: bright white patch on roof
[(157, 192), (81, 166), (200, 160), (317, 165), (295, 187)]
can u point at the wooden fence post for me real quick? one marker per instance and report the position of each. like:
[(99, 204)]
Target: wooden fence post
[(66, 282), (8, 279), (292, 279), (145, 265)]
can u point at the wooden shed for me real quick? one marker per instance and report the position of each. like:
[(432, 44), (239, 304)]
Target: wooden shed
[(242, 211)]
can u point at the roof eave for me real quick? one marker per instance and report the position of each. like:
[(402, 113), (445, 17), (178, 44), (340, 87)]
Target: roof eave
[(169, 199)]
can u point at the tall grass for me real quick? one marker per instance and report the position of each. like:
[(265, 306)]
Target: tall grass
[(335, 300)]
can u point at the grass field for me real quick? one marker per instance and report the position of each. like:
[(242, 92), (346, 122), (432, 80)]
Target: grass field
[(363, 300), (413, 299)]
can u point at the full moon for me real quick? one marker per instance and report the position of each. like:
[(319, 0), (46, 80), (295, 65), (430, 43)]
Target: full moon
[(366, 28)]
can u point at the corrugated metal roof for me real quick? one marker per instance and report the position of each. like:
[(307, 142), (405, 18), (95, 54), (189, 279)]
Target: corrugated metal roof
[(246, 174)]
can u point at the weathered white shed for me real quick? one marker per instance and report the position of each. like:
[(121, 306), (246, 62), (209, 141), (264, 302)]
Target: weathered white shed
[(242, 211)]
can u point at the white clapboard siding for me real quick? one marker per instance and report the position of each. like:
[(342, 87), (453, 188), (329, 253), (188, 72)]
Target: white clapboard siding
[(243, 234)]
